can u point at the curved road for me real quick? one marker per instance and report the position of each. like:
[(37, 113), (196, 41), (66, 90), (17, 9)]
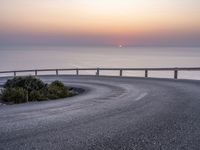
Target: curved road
[(113, 114)]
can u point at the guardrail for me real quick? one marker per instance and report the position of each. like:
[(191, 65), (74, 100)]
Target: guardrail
[(77, 70)]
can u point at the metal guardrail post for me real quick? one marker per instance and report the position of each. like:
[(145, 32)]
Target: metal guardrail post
[(35, 72), (175, 74), (15, 73), (121, 72), (57, 72), (146, 73), (97, 73), (77, 72)]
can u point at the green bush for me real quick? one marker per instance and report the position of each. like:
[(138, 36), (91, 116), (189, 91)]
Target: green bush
[(57, 83), (40, 95), (28, 83), (23, 89), (14, 95), (57, 90)]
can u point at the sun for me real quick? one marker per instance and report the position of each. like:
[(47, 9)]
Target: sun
[(120, 46)]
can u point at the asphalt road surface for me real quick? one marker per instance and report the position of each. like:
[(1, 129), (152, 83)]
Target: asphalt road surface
[(112, 114)]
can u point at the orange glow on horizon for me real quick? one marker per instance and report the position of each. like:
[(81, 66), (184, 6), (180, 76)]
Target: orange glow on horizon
[(105, 17)]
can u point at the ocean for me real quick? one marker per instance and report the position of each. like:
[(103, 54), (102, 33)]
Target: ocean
[(18, 58)]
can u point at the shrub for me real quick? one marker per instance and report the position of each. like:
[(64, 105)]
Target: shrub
[(57, 90), (23, 89), (28, 83), (57, 83), (14, 95), (40, 95)]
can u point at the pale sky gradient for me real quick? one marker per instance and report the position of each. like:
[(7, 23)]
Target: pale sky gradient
[(100, 22)]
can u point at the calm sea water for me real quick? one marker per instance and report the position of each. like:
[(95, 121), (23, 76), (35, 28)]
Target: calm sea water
[(16, 58)]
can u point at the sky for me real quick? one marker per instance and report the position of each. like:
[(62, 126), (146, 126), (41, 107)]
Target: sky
[(100, 22)]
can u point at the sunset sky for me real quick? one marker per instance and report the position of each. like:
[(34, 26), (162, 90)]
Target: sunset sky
[(100, 22)]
